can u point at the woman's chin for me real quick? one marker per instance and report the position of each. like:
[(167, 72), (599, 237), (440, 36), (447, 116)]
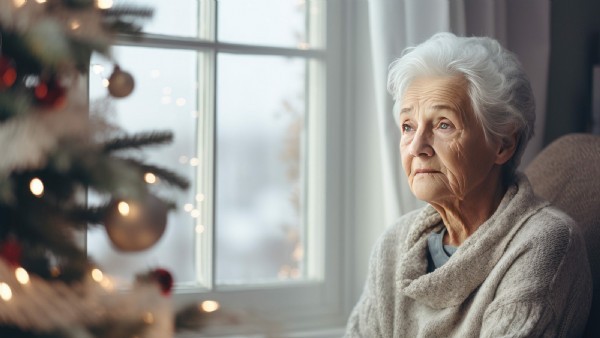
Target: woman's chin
[(428, 193)]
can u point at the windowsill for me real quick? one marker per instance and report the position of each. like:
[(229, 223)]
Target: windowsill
[(335, 332)]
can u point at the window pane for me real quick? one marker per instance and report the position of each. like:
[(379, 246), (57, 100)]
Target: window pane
[(174, 17), (164, 98), (263, 22), (259, 169)]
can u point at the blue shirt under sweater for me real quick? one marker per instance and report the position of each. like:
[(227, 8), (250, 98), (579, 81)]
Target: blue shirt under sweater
[(438, 253)]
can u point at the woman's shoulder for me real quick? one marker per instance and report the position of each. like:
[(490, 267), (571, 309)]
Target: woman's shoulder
[(547, 223), (550, 248), (546, 260), (550, 226)]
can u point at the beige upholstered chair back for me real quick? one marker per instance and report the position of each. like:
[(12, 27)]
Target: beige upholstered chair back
[(567, 173)]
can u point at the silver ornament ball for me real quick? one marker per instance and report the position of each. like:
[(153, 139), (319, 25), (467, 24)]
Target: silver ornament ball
[(136, 225), (120, 83)]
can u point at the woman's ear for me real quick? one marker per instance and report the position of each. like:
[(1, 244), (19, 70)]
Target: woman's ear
[(507, 149)]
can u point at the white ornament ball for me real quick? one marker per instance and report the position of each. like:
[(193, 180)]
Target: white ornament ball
[(136, 225), (120, 83)]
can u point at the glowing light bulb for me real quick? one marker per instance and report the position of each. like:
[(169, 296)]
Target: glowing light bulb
[(188, 207), (200, 197), (104, 4), (195, 213), (97, 275), (123, 208), (5, 292), (19, 3), (105, 83), (148, 318), (298, 253), (40, 1), (97, 69), (150, 178), (209, 306), (22, 275), (55, 271), (303, 45), (194, 161), (199, 228), (75, 24), (107, 284), (37, 187)]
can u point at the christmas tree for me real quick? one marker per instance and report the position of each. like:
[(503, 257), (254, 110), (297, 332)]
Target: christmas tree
[(53, 151)]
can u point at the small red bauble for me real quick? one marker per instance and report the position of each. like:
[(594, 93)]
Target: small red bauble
[(50, 94), (11, 251), (164, 279), (8, 72)]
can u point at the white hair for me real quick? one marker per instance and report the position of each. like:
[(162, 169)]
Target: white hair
[(499, 90)]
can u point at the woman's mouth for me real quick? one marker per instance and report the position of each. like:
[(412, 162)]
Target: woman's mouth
[(426, 171)]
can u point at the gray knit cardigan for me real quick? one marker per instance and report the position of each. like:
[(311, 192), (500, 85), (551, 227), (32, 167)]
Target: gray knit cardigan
[(523, 273)]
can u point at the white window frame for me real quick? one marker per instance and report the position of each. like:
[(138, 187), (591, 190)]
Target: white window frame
[(309, 308)]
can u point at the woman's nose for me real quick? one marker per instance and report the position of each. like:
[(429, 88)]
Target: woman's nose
[(420, 145)]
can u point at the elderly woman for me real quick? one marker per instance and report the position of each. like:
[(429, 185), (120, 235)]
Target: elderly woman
[(485, 257)]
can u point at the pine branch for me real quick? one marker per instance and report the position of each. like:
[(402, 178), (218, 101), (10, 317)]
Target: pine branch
[(129, 11), (124, 19), (109, 174), (91, 215), (138, 140), (13, 103), (91, 167), (78, 4), (46, 233), (162, 173), (16, 332)]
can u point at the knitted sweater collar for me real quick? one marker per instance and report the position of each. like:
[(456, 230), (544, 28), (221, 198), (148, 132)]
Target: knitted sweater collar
[(452, 283)]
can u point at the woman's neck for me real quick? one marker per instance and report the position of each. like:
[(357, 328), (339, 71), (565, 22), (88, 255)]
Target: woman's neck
[(462, 217)]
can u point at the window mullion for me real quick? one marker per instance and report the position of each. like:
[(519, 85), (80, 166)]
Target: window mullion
[(205, 172), (207, 25), (205, 230)]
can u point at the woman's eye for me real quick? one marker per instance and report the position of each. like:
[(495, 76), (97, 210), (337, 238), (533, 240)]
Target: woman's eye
[(444, 125), (406, 128)]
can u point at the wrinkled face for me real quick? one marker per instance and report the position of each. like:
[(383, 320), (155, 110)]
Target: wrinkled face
[(442, 145)]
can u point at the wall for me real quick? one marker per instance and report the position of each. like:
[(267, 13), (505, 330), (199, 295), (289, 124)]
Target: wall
[(575, 28)]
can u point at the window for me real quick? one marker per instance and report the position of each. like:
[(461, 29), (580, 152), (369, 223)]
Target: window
[(251, 91)]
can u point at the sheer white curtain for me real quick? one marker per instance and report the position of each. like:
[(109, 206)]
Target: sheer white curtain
[(521, 26)]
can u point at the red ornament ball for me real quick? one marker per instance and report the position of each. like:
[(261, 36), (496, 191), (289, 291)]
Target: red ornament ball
[(50, 94), (8, 72), (11, 251), (164, 278)]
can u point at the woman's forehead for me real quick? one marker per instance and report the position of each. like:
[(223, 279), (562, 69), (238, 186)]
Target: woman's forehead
[(448, 89), (437, 92)]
